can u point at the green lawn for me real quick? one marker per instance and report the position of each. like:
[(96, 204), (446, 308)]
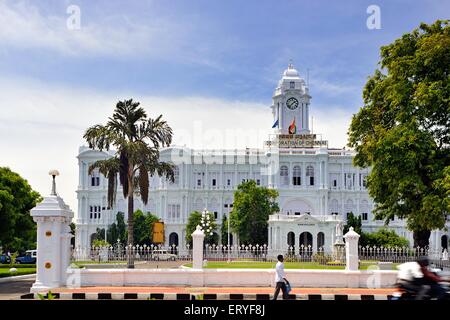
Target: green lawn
[(271, 265), (4, 272)]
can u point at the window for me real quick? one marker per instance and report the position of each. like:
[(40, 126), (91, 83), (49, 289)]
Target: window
[(228, 182), (284, 175), (214, 182), (231, 205), (199, 182), (334, 207), (296, 178), (176, 175), (297, 213), (91, 210), (364, 216), (335, 183), (292, 85), (258, 182), (310, 174), (215, 215), (225, 205), (95, 181)]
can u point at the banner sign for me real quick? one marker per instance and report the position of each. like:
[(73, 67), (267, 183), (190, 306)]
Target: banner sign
[(296, 141), (158, 233)]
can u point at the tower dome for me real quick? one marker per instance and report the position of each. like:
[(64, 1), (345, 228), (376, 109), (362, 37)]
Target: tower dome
[(291, 72)]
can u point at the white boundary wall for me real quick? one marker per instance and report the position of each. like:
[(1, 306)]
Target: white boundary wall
[(233, 278)]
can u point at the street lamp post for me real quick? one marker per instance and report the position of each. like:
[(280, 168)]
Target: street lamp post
[(228, 242)]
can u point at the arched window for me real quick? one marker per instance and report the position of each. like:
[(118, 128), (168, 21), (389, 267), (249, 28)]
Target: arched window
[(284, 175), (349, 207), (320, 241), (199, 206), (296, 176), (310, 175), (334, 207)]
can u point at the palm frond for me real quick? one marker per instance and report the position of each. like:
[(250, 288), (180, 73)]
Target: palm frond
[(165, 169), (98, 137), (143, 184), (157, 131), (123, 172)]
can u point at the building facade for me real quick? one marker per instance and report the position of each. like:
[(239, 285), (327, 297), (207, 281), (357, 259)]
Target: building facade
[(318, 186)]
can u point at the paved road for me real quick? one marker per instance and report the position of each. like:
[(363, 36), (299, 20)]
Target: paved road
[(15, 288)]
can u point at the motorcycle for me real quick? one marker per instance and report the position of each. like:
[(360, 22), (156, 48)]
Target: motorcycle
[(409, 291)]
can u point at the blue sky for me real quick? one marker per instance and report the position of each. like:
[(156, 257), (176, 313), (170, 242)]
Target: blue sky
[(217, 62), (228, 49)]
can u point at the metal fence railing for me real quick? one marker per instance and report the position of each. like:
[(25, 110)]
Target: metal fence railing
[(257, 253)]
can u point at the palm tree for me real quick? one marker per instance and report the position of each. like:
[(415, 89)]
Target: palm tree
[(137, 140)]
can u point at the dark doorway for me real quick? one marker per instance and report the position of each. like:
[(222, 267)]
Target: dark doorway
[(291, 242), (320, 241), (305, 244), (444, 242), (173, 243)]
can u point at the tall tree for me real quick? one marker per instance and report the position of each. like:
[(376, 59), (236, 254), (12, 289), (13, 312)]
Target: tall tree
[(251, 209), (136, 140), (143, 223), (403, 130), (17, 198), (194, 220)]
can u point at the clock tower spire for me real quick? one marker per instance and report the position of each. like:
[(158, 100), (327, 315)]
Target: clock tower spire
[(291, 101)]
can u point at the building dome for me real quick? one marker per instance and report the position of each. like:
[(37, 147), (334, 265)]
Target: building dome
[(291, 72)]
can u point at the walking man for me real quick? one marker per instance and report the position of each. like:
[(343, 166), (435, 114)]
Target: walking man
[(280, 279)]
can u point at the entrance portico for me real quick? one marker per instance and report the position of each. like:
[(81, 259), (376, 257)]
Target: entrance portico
[(303, 232)]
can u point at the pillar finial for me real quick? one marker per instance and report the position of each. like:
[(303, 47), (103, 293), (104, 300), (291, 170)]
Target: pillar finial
[(54, 174)]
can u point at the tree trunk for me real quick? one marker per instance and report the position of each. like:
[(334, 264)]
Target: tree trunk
[(130, 229), (421, 238)]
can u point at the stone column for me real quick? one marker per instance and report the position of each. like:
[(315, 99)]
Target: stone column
[(53, 218), (351, 250), (197, 248)]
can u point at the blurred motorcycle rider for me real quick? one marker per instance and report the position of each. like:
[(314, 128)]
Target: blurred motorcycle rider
[(410, 277), (431, 281)]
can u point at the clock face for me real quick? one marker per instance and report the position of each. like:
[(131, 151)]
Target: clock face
[(292, 103)]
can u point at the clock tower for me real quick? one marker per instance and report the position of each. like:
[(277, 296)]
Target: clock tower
[(290, 106)]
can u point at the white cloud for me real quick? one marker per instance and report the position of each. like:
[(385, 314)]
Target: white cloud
[(23, 25), (41, 127)]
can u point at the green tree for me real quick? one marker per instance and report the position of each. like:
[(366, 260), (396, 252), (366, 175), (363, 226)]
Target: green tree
[(194, 220), (136, 140), (143, 227), (403, 130), (117, 230), (251, 209), (17, 198), (385, 238), (353, 221)]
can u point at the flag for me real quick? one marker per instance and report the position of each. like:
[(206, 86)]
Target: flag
[(275, 125), (292, 128)]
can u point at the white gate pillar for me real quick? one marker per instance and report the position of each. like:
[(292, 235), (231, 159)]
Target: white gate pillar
[(53, 218), (351, 250), (197, 248)]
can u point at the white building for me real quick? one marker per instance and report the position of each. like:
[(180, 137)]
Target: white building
[(318, 186)]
